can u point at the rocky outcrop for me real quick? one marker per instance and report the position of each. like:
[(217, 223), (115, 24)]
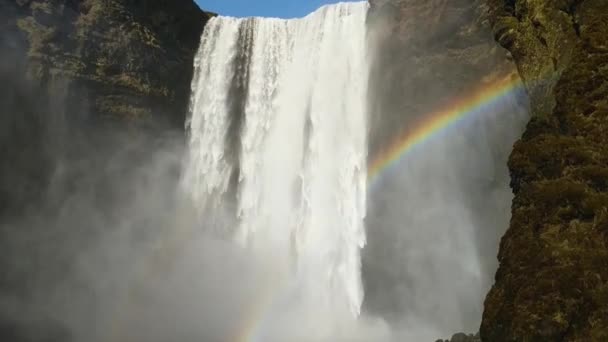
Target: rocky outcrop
[(552, 284), (462, 337)]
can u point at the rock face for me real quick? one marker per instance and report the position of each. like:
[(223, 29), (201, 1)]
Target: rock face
[(72, 69), (552, 284), (429, 54), (129, 59)]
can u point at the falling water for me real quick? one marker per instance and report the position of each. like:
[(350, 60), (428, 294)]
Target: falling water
[(278, 145)]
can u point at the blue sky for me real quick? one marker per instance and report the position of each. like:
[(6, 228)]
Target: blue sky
[(263, 8)]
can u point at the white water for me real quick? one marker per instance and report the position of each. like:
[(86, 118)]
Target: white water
[(278, 148), (277, 166)]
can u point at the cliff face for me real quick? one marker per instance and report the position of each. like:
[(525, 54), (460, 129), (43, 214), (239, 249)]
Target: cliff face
[(429, 55), (128, 59), (552, 284), (92, 92), (76, 72)]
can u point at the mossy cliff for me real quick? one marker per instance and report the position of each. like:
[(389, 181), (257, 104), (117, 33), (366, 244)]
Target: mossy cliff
[(131, 60), (552, 284), (74, 70)]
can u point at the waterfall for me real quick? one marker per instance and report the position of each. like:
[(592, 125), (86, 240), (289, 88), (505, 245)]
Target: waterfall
[(278, 145)]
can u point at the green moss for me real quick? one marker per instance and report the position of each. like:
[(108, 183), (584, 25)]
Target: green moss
[(551, 284), (38, 35), (125, 111), (42, 7), (142, 50)]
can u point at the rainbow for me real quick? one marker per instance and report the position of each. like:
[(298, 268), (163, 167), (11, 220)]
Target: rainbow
[(249, 331), (478, 102), (485, 97)]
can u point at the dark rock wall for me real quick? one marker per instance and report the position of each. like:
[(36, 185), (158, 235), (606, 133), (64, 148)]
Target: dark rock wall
[(75, 72), (552, 284), (429, 54), (131, 59), (90, 91)]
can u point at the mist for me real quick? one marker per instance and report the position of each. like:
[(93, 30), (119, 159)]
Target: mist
[(112, 248), (98, 241)]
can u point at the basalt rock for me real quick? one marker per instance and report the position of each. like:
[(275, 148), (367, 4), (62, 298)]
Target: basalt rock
[(552, 284)]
